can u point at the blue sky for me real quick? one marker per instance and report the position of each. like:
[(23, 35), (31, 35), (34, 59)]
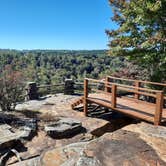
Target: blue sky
[(54, 24)]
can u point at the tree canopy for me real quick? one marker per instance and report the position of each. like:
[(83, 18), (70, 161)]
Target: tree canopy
[(53, 66), (141, 34)]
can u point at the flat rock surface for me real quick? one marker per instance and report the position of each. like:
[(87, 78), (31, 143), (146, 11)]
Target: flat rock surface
[(59, 105), (155, 136), (112, 149), (45, 102)]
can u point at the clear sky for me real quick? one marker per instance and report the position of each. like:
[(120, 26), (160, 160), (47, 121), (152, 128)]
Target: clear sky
[(54, 24)]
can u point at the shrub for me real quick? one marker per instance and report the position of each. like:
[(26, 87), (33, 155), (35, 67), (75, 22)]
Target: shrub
[(11, 87)]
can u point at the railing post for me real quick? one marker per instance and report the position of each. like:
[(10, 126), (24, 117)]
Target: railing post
[(107, 89), (85, 96), (159, 108), (113, 97), (69, 87), (31, 91), (137, 85)]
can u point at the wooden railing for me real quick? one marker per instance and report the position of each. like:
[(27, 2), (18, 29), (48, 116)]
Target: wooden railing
[(111, 88), (138, 83), (34, 91)]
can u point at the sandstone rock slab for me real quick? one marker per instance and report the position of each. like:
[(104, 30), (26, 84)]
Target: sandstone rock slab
[(63, 127), (155, 136), (112, 149), (9, 137)]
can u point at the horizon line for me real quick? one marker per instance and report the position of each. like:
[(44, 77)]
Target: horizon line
[(47, 49)]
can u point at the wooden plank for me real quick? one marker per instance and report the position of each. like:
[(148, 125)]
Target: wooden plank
[(137, 85), (107, 88), (145, 82), (101, 91), (47, 86), (85, 96), (133, 87), (114, 90), (137, 92), (159, 108), (93, 80), (138, 101), (137, 115)]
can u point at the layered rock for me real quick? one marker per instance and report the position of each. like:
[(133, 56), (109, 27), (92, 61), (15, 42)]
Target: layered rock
[(155, 136), (63, 128), (134, 145), (122, 147)]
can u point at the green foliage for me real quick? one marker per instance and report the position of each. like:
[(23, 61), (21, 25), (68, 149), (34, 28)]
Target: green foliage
[(141, 35), (52, 67)]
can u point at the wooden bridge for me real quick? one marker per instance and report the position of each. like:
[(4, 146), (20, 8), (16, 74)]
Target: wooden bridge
[(131, 97)]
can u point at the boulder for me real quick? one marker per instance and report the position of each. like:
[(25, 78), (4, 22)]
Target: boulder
[(112, 149), (63, 127)]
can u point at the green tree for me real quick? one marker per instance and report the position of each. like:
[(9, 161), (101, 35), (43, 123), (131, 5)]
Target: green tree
[(141, 34)]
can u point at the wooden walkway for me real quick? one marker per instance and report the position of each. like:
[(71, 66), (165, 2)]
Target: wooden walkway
[(132, 106)]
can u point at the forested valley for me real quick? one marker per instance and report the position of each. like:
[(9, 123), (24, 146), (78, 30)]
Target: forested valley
[(53, 66)]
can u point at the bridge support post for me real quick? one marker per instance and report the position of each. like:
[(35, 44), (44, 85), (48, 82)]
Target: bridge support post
[(137, 85), (85, 96), (113, 97), (159, 108), (107, 89)]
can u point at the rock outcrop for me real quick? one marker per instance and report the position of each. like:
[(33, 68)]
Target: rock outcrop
[(59, 106), (122, 147), (106, 141)]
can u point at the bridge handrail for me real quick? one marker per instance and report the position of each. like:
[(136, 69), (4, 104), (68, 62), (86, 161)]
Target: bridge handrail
[(122, 85), (133, 87), (141, 81), (128, 90)]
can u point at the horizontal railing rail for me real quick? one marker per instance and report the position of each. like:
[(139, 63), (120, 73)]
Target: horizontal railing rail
[(48, 86), (141, 81), (107, 84), (138, 82)]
